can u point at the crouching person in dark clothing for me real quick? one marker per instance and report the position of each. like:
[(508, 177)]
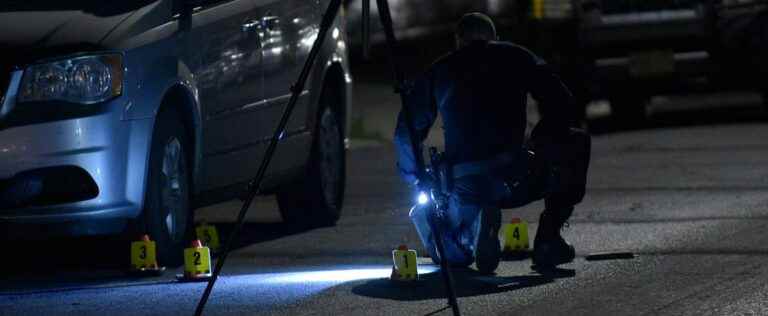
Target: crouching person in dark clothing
[(480, 91)]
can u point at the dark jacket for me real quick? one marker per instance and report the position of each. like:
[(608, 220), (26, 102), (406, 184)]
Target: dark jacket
[(481, 92)]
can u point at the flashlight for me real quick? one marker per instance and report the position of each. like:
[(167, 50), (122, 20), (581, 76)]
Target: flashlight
[(423, 198)]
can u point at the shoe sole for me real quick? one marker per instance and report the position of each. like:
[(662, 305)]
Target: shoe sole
[(553, 271), (488, 253), (545, 261)]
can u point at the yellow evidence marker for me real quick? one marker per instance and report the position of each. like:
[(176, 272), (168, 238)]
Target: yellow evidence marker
[(405, 267), (197, 263), (209, 235), (144, 257), (516, 236)]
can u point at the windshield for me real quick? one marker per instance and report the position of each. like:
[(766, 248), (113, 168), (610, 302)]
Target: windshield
[(95, 7), (633, 6)]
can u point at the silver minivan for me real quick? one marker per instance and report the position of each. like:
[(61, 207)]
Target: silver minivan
[(122, 117)]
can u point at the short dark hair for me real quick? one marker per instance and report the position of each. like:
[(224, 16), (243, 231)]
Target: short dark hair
[(475, 26)]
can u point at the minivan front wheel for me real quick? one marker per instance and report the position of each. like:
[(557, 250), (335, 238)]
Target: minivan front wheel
[(316, 197), (167, 216)]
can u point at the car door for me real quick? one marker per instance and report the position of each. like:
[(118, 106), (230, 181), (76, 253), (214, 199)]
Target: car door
[(290, 28), (225, 36)]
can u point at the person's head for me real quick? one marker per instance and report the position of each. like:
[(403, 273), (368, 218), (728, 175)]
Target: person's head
[(474, 27)]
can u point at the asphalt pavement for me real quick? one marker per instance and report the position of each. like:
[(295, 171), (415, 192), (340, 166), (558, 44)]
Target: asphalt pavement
[(687, 193)]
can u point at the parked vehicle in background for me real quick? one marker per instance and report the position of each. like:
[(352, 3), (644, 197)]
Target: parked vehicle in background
[(123, 118), (643, 48), (628, 51)]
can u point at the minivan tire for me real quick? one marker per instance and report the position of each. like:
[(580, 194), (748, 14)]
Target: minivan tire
[(315, 198), (167, 217)]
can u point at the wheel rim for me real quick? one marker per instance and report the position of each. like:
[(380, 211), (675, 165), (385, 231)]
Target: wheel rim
[(330, 157), (172, 190)]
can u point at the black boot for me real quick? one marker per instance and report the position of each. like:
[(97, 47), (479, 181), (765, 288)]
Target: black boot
[(487, 246), (549, 247)]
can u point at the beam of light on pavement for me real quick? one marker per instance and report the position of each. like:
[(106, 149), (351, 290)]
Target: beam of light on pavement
[(267, 291), (332, 276)]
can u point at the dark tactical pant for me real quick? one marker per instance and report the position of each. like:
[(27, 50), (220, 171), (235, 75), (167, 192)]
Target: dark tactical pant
[(556, 172)]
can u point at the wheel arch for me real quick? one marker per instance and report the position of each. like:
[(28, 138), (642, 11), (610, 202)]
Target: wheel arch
[(336, 93), (180, 98)]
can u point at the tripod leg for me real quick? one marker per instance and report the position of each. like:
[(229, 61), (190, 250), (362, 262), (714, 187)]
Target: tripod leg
[(445, 268)]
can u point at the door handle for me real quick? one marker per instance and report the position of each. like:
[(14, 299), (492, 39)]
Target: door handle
[(251, 25)]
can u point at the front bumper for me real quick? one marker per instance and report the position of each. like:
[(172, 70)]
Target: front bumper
[(687, 71), (112, 151)]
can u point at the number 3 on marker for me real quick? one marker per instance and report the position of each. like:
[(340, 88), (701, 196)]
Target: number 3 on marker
[(143, 254)]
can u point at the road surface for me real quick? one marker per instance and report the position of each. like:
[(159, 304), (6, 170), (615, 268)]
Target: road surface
[(688, 194)]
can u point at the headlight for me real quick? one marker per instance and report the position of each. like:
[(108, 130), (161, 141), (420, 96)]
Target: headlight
[(85, 80)]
